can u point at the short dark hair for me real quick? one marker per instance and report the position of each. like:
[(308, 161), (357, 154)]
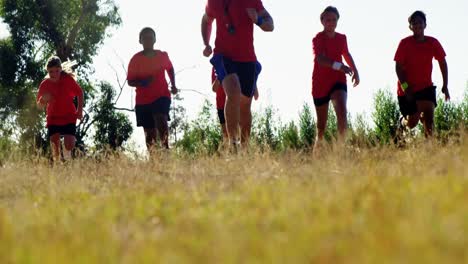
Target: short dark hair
[(417, 14), (330, 9), (147, 29), (54, 61)]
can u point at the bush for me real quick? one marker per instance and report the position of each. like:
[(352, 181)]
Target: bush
[(289, 136), (307, 127), (203, 135), (385, 116), (264, 133)]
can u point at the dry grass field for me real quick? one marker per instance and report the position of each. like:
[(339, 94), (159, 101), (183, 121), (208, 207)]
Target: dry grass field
[(381, 205)]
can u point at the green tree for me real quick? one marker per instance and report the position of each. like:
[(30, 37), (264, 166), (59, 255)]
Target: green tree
[(73, 30), (112, 128)]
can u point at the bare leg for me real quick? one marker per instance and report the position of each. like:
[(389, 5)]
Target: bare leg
[(150, 137), (69, 141), (163, 129), (339, 99), (232, 88), (322, 116), (427, 108), (245, 119), (55, 145)]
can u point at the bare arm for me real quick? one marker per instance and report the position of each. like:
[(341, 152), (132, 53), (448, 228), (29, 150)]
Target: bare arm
[(400, 72), (350, 61), (206, 26), (171, 74), (323, 60), (444, 70)]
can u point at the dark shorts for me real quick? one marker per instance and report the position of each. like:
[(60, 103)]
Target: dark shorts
[(246, 72), (408, 105), (326, 99), (145, 113), (68, 129), (222, 119)]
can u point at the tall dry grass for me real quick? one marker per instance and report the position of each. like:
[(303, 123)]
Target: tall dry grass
[(380, 205)]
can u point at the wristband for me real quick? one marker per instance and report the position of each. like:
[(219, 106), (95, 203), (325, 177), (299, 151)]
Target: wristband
[(259, 21), (337, 65), (404, 86)]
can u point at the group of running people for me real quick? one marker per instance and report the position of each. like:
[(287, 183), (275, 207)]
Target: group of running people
[(235, 73)]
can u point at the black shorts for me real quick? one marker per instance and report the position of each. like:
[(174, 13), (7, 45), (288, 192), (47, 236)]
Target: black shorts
[(246, 72), (326, 99), (222, 119), (145, 113), (408, 104), (68, 129)]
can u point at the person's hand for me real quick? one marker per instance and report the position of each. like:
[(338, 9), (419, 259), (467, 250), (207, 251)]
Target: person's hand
[(207, 51), (79, 114), (256, 94), (356, 80), (44, 100), (215, 86), (253, 15), (446, 92), (174, 90), (346, 69)]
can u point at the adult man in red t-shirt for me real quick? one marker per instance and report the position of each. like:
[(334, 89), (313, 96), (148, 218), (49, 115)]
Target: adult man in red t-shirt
[(234, 57), (416, 92)]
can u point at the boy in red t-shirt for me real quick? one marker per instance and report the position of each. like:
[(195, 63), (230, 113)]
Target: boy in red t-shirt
[(329, 75), (146, 72), (413, 66), (57, 92), (235, 57)]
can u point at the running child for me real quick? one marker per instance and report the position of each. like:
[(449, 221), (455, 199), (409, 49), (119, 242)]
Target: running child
[(329, 74), (146, 72), (413, 66), (57, 93)]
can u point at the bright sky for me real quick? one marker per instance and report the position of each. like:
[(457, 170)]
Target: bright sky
[(373, 29)]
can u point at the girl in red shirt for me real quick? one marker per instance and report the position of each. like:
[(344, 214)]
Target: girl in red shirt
[(57, 92), (329, 75)]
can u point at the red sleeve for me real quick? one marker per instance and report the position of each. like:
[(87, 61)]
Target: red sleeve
[(400, 54), (75, 87), (42, 90), (167, 61), (318, 46), (132, 73), (345, 46), (439, 53)]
